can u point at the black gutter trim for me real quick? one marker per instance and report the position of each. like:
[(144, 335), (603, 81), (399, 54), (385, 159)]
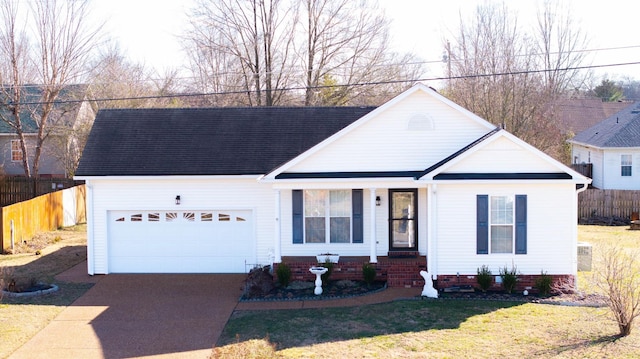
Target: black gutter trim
[(459, 152), (504, 176), (304, 175)]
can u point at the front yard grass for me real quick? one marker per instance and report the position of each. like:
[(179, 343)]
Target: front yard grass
[(23, 317), (440, 328), (430, 328)]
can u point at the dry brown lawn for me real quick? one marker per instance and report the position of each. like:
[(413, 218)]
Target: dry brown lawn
[(22, 318)]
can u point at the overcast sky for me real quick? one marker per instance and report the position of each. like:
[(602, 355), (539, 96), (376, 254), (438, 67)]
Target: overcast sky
[(147, 29)]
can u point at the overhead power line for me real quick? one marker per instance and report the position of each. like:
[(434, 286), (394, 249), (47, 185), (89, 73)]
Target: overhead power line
[(301, 88)]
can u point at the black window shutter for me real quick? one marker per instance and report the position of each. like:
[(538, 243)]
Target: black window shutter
[(356, 213), (521, 224), (482, 224), (298, 216)]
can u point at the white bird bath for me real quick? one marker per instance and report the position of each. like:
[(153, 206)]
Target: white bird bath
[(318, 271)]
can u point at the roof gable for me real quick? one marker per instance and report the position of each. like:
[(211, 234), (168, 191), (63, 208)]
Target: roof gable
[(619, 130), (413, 131), (213, 141), (502, 153)]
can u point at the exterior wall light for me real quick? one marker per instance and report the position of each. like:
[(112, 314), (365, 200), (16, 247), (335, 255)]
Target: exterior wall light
[(178, 200), (378, 200)]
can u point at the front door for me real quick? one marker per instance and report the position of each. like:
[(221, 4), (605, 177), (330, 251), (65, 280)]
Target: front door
[(403, 219)]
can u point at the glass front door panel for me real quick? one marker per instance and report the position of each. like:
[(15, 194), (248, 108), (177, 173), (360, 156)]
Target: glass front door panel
[(403, 220)]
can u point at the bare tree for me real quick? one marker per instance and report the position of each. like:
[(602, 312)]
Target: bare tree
[(325, 49), (248, 43), (116, 82), (59, 47), (618, 277), (15, 69), (513, 79)]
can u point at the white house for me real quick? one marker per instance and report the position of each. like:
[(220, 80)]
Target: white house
[(612, 147), (221, 190)]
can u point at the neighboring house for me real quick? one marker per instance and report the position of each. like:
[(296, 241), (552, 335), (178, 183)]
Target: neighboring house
[(58, 145), (612, 148), (577, 114), (224, 189)]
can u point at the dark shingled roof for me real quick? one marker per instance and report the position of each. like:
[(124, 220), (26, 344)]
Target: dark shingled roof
[(206, 141), (619, 130)]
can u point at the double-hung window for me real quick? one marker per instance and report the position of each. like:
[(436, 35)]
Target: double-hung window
[(501, 224), (16, 151), (625, 165), (327, 216)]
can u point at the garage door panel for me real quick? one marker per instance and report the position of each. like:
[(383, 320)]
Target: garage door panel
[(180, 241)]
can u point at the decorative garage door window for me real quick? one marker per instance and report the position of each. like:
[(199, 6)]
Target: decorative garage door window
[(181, 217), (185, 241)]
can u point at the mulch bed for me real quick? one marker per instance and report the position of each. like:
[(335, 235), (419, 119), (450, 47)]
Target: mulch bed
[(333, 290), (568, 299)]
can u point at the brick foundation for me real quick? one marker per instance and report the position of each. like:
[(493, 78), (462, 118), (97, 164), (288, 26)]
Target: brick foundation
[(397, 272), (400, 272), (524, 281)]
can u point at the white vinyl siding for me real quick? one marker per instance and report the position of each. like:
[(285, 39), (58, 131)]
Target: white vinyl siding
[(389, 143), (550, 228), (196, 194), (513, 158)]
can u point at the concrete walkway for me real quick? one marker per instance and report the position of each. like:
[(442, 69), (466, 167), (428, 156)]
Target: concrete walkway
[(158, 315)]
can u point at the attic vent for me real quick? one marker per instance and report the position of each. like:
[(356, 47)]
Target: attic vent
[(420, 122)]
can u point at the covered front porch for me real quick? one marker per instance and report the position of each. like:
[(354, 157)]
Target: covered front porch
[(399, 270)]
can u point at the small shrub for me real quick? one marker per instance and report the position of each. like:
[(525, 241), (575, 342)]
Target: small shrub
[(509, 278), (543, 284), (368, 273), (284, 274), (329, 265), (484, 278)]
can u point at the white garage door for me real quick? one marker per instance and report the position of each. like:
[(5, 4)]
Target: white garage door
[(180, 241)]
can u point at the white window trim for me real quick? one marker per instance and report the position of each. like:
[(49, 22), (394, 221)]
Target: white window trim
[(19, 150), (624, 164), (513, 224), (327, 219)]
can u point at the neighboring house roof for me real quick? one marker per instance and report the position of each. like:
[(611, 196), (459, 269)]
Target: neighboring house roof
[(619, 130), (31, 95), (577, 115), (219, 141)]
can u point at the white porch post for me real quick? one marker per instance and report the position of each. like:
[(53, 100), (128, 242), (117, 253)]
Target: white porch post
[(432, 261), (277, 254), (373, 258)]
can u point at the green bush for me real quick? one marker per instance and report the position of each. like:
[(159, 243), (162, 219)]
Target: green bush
[(368, 273), (509, 278), (484, 278), (543, 284), (329, 265), (284, 274)]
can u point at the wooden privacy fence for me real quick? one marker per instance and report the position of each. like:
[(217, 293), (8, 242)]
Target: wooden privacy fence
[(608, 203), (21, 221), (14, 189)]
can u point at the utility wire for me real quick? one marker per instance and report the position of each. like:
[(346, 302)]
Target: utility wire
[(299, 88)]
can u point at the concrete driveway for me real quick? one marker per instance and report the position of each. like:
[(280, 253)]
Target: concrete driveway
[(141, 315)]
